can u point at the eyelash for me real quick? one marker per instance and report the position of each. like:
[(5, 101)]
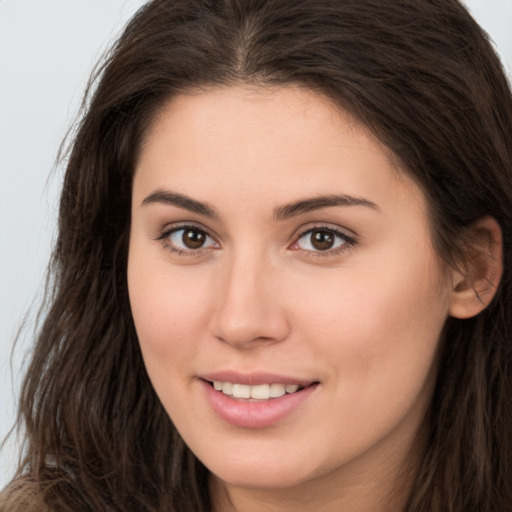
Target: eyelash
[(166, 234), (348, 241)]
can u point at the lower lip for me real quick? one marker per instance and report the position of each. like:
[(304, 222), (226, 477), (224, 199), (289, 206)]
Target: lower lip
[(262, 414)]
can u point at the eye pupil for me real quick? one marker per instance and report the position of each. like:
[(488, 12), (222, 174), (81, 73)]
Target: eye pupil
[(322, 240), (193, 238)]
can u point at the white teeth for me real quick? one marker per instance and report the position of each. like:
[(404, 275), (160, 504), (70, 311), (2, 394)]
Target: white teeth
[(241, 391), (260, 392), (277, 390), (227, 388)]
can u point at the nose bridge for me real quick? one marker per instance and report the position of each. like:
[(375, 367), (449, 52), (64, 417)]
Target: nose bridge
[(248, 308)]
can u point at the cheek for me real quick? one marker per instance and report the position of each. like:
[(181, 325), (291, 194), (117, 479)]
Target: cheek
[(363, 308), (378, 330), (169, 311)]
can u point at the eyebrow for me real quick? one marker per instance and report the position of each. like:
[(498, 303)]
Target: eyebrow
[(316, 203), (181, 201), (281, 213)]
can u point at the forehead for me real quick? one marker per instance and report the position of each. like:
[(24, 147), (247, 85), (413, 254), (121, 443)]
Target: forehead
[(254, 141)]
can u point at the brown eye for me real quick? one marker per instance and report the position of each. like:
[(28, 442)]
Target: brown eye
[(189, 239), (193, 238), (321, 240)]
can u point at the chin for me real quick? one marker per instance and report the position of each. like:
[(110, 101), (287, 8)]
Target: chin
[(261, 477), (260, 468)]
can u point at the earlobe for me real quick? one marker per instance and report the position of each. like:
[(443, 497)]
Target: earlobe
[(474, 289)]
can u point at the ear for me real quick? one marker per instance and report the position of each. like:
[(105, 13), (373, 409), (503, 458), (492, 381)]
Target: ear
[(473, 291)]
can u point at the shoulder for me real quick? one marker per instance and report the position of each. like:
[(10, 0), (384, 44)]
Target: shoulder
[(55, 493), (22, 495)]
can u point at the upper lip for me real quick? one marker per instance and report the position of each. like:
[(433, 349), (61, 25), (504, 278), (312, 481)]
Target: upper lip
[(254, 378)]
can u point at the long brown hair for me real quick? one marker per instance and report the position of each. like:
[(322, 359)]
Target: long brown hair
[(422, 75)]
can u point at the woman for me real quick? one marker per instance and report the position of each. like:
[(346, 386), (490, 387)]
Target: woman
[(283, 268)]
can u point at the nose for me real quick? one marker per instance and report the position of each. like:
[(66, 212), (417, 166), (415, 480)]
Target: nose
[(249, 311)]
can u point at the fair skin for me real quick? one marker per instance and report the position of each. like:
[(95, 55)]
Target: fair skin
[(345, 297)]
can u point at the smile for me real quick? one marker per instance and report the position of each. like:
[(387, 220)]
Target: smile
[(260, 392), (259, 404)]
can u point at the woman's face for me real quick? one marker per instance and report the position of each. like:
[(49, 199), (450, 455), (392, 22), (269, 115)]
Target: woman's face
[(279, 254)]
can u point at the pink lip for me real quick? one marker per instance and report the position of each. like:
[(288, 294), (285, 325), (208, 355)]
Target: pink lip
[(253, 379), (254, 415)]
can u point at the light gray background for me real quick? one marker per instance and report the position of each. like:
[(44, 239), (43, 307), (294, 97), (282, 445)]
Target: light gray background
[(47, 50)]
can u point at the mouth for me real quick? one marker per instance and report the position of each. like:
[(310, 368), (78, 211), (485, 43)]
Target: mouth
[(261, 392), (257, 400)]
